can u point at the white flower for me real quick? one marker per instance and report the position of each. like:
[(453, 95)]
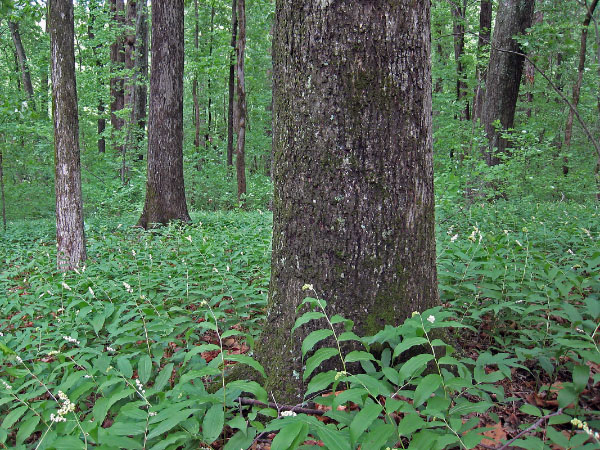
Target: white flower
[(110, 349), (454, 238), (189, 238), (19, 360), (140, 386), (128, 287), (53, 352), (57, 419), (133, 253), (71, 340), (6, 385), (288, 414), (91, 291), (308, 287), (431, 319), (66, 286)]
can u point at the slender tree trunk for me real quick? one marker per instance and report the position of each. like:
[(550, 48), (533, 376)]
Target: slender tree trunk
[(70, 236), (485, 28), (459, 12), (2, 189), (44, 82), (140, 70), (230, 125), (353, 208), (504, 74), (117, 88), (95, 48), (165, 191), (577, 86), (529, 70), (240, 158), (22, 58), (195, 82), (207, 138)]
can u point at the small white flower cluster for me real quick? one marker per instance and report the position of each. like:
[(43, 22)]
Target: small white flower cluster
[(341, 374), (19, 360), (66, 286), (53, 352), (6, 385), (585, 427), (65, 408), (140, 386), (431, 319), (71, 340), (475, 234), (288, 414), (128, 287), (110, 349), (308, 287)]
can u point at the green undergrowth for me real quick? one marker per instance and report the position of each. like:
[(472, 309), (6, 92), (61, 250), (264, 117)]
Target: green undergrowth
[(121, 353)]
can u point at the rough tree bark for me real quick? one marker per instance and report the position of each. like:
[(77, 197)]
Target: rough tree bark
[(577, 86), (20, 51), (485, 30), (505, 69), (353, 205), (165, 191), (240, 154), (459, 12), (2, 197), (234, 27), (70, 236)]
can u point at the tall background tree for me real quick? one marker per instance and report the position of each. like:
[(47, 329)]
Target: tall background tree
[(353, 209), (503, 78), (70, 236), (165, 192)]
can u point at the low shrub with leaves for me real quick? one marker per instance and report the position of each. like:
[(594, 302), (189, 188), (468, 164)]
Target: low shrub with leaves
[(133, 351)]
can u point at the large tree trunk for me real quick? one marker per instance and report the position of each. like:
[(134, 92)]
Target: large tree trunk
[(234, 27), (354, 203), (70, 236), (485, 29), (165, 191), (20, 51), (504, 74), (240, 154), (459, 12), (117, 83), (577, 86)]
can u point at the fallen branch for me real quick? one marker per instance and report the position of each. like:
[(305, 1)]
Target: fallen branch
[(279, 408)]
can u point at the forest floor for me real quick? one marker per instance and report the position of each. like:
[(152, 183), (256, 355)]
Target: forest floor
[(168, 308)]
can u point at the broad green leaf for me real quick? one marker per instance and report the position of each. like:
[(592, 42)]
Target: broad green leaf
[(290, 436), (332, 438), (163, 377), (26, 428), (414, 365), (467, 407), (427, 386), (320, 382), (12, 417), (212, 426), (241, 440), (363, 420), (200, 349), (103, 404), (305, 318), (409, 424), (169, 423), (124, 366), (557, 437), (249, 361), (144, 368), (581, 376), (378, 436), (127, 428), (97, 322), (359, 356), (315, 360), (407, 344), (68, 443), (171, 439), (313, 338), (250, 386), (531, 410)]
